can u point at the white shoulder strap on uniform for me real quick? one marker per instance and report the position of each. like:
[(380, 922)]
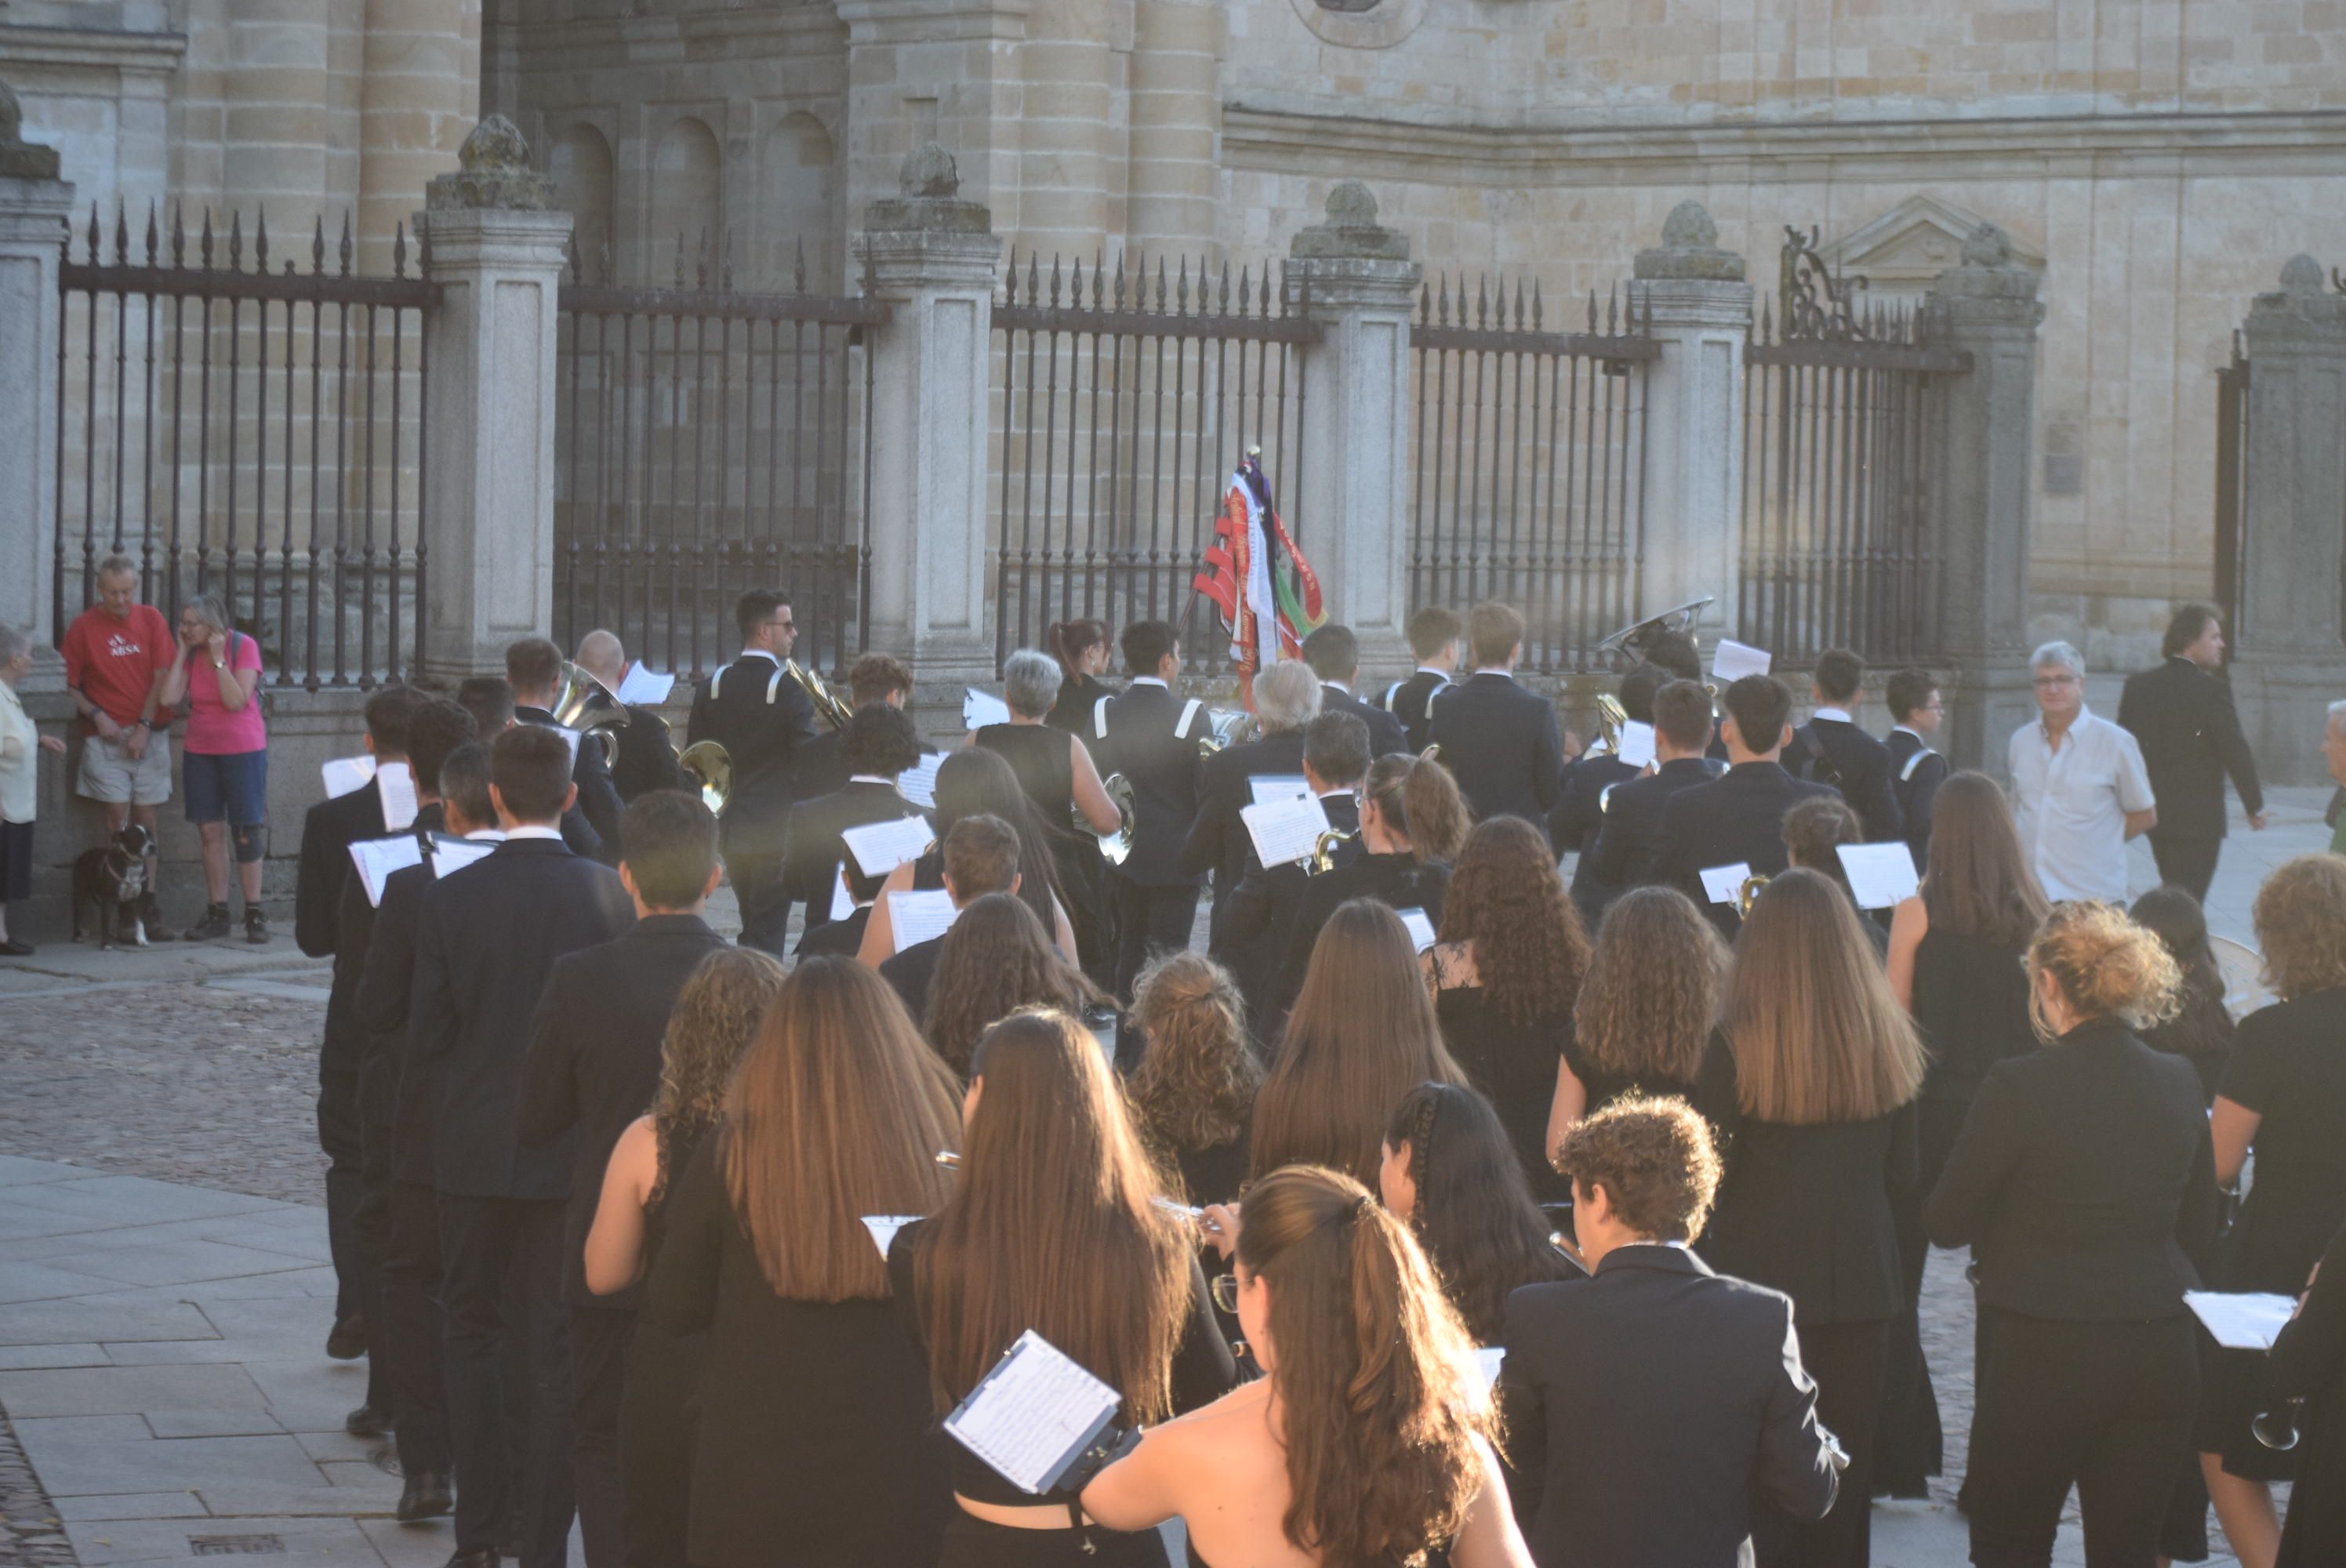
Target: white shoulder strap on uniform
[(717, 681), (1906, 774), (1188, 712), (775, 685), (1099, 718), (1393, 692)]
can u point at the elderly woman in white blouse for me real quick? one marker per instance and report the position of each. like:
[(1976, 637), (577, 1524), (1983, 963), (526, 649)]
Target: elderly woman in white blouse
[(20, 748)]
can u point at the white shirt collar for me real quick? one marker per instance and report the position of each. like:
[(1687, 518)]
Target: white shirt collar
[(1502, 674), (1150, 680), (871, 778), (2045, 731), (492, 835), (532, 830), (1344, 791), (758, 653), (1339, 685), (1908, 729), (1839, 714), (1442, 675)]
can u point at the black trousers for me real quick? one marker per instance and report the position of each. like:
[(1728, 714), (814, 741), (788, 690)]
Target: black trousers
[(1848, 1361), (757, 878), (598, 1370), (371, 1225), (341, 1134), (2104, 1406), (656, 1444), (1148, 920), (501, 1281), (2188, 863), (410, 1343)]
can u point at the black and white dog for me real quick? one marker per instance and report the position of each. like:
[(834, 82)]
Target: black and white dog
[(113, 876)]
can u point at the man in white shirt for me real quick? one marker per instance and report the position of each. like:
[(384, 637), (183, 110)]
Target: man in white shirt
[(2079, 789)]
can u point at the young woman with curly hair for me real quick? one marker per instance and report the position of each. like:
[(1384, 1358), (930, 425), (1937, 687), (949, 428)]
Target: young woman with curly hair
[(993, 960), (1505, 977), (1195, 1085), (2084, 1183), (1363, 1035), (1646, 1008), (2283, 1094), (1451, 1177), (717, 1016), (1367, 1441), (1811, 1084)]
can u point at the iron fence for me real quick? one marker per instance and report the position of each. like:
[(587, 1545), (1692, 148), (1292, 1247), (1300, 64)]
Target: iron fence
[(2233, 407), (1127, 400), (1527, 462), (708, 442), (255, 433), (1841, 410)]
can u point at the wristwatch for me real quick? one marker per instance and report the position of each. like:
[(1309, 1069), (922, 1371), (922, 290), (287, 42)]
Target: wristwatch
[(219, 663)]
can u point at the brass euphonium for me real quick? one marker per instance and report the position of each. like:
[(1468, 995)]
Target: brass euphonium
[(1323, 850), (836, 711), (1117, 847), (709, 766), (1748, 894), (586, 705)]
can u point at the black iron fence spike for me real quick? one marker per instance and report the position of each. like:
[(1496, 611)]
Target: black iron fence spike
[(260, 237), (344, 248), (208, 239), (318, 248), (399, 250), (94, 240), (153, 238), (236, 241), (178, 234)]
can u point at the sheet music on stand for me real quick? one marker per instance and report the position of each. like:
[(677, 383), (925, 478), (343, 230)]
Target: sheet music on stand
[(1284, 830), (344, 774), (376, 858), (980, 708), (915, 916), (1263, 787), (918, 783), (880, 847), (1033, 1415), (645, 687)]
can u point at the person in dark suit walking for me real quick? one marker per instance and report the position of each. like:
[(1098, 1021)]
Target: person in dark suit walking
[(2085, 1181), (1832, 749), (490, 701), (878, 744), (592, 1068), (487, 939), (1433, 634), (1335, 655), (533, 670), (1916, 772), (1737, 818), (1261, 918), (329, 829), (757, 712), (646, 758), (1650, 1407), (1499, 740), (1628, 839), (1286, 698), (1150, 737), (2182, 714), (1580, 814), (873, 679)]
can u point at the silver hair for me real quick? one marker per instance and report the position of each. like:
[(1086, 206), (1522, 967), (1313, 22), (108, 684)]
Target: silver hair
[(1286, 697), (2337, 711), (2059, 654), (15, 642), (212, 610), (1030, 682), (117, 564)]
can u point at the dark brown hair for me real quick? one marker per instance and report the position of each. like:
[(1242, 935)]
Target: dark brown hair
[(1977, 882), (532, 663), (981, 856), (1494, 631), (1372, 1368), (1197, 1081), (530, 766), (837, 1111), (1053, 1226), (996, 959), (1420, 800), (1475, 1214), (1839, 674), (1646, 1008), (1363, 1035), (1070, 640), (1814, 831), (1432, 628), (1682, 714), (1506, 900), (875, 675), (716, 1016), (1653, 1158), (974, 781)]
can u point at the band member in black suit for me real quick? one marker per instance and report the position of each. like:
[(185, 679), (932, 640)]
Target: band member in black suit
[(593, 1065), (1739, 817), (1652, 1405), (979, 856), (2084, 1180), (1916, 772), (329, 829), (1286, 698), (436, 728), (1498, 740), (1832, 749), (2182, 713), (1335, 655), (1628, 842), (1433, 634), (490, 701), (485, 941), (878, 744), (533, 670), (1150, 737), (412, 1342), (1263, 911), (873, 678), (757, 712), (647, 751), (1082, 648), (1573, 826)]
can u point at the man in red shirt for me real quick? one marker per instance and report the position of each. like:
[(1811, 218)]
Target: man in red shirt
[(117, 654)]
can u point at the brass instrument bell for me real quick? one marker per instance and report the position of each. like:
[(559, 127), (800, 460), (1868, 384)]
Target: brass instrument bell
[(1323, 850), (709, 766), (1749, 895), (1228, 726), (583, 704), (1115, 848), (1611, 717), (835, 710), (1630, 641)]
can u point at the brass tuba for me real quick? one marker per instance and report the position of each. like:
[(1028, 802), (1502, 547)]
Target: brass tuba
[(586, 705), (1323, 850), (836, 711), (1117, 847), (709, 766)]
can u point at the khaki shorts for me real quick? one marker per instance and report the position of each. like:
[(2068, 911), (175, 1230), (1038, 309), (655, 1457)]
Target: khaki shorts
[(109, 774)]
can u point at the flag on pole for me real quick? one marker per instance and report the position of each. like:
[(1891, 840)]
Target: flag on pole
[(1256, 577)]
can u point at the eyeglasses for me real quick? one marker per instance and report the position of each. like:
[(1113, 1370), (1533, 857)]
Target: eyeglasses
[(1226, 1293), (2050, 682)]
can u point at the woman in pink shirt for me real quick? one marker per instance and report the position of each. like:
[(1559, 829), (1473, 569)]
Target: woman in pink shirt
[(217, 672)]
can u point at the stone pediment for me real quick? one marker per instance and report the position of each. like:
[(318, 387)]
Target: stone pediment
[(1913, 243)]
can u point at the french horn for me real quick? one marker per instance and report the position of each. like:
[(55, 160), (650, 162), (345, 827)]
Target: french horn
[(834, 709), (1115, 848), (710, 766)]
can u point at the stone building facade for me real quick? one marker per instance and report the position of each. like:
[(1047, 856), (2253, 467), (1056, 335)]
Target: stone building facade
[(2153, 160)]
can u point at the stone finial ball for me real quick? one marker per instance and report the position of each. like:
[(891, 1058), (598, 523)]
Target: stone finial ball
[(2301, 275), (1689, 225), (495, 145), (928, 172), (1351, 205), (1987, 246)]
